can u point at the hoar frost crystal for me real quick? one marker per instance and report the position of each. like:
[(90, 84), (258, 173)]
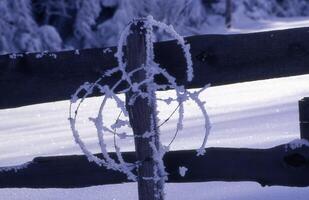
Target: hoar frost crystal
[(151, 69)]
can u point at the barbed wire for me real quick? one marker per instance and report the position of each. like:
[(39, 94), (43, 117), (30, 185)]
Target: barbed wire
[(151, 70)]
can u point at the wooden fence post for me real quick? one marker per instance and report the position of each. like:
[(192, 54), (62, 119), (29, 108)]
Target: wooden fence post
[(304, 118), (142, 116)]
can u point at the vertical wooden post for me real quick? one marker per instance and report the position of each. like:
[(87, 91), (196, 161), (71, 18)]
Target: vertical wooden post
[(142, 116), (228, 13), (304, 118)]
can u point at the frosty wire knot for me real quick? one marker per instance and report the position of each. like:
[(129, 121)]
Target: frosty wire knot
[(144, 89)]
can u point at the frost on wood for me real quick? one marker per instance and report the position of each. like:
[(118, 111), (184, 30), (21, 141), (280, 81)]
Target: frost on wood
[(45, 53), (107, 50), (15, 168), (182, 171), (151, 70), (297, 143)]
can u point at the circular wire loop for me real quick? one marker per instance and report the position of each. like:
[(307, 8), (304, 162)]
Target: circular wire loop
[(152, 69)]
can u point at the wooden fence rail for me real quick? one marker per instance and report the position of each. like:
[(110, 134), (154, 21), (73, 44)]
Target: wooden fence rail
[(275, 166), (27, 79), (217, 59)]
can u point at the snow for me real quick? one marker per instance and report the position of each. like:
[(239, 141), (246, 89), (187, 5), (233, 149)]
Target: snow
[(269, 24), (35, 26), (258, 114), (183, 191), (182, 171), (298, 143)]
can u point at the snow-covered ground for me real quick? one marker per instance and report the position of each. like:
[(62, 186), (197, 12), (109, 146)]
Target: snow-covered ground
[(246, 25), (270, 24), (253, 114), (258, 114)]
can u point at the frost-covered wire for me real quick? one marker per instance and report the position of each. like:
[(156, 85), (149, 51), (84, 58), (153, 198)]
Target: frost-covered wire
[(151, 70)]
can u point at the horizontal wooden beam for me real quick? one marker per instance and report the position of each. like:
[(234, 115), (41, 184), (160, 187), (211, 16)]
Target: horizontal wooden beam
[(27, 79), (275, 166)]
